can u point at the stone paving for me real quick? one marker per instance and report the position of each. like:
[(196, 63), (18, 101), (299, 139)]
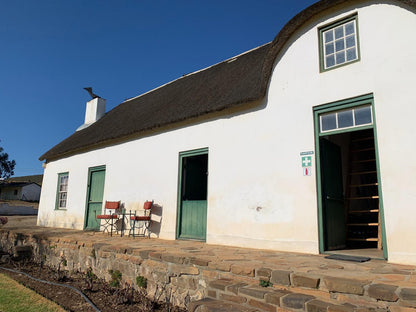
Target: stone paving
[(231, 275)]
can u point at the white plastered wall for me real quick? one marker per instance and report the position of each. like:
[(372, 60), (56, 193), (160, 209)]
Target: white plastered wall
[(257, 194)]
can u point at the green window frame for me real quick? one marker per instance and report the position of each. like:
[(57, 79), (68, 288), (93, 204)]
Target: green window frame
[(339, 43), (62, 191)]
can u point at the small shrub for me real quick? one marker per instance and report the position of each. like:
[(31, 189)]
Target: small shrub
[(115, 278), (264, 283), (90, 277), (141, 281)]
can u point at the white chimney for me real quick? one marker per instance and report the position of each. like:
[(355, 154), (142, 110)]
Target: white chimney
[(95, 110)]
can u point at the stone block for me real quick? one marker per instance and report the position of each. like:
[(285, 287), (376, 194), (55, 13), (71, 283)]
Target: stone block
[(144, 254), (220, 266), (233, 298), (210, 274), (401, 309), (185, 282), (264, 273), (317, 306), (383, 292), (241, 269), (341, 308), (262, 306), (220, 284), (299, 280), (295, 301), (235, 287), (408, 294), (212, 305), (255, 292), (280, 277), (345, 285), (155, 255), (274, 297), (212, 294), (199, 262), (183, 270), (172, 258)]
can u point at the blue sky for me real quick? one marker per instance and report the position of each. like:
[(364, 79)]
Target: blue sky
[(52, 49)]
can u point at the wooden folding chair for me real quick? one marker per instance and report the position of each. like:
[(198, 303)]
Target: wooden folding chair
[(142, 222), (106, 220)]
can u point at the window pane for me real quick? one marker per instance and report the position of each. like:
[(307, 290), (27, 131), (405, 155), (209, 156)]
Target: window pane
[(340, 57), (329, 36), (345, 119), (350, 28), (330, 61), (328, 122), (339, 45), (339, 32), (351, 54), (329, 48), (363, 115), (350, 41)]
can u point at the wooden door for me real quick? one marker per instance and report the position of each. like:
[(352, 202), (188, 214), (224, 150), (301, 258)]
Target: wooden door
[(193, 196), (94, 197), (332, 196)]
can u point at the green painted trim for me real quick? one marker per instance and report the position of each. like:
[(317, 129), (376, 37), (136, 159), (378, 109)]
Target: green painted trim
[(334, 106), (347, 103), (57, 191), (380, 193), (346, 130), (322, 29), (90, 170), (200, 151)]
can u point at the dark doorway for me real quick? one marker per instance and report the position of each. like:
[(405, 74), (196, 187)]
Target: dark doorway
[(350, 192), (193, 195)]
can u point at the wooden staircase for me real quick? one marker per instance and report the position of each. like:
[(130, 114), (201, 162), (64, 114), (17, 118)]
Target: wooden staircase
[(362, 198)]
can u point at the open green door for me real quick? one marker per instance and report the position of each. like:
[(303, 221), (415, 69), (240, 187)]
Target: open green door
[(96, 178), (332, 196), (192, 214)]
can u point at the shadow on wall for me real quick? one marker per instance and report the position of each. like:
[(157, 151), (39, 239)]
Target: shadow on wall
[(156, 223)]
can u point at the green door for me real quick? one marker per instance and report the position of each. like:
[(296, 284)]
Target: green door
[(332, 196), (192, 216), (95, 192)]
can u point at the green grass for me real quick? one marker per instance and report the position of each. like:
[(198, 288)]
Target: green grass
[(17, 298)]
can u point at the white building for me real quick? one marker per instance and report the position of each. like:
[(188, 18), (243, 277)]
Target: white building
[(308, 143)]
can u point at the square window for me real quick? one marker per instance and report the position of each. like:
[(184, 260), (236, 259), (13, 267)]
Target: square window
[(328, 122), (340, 38), (363, 115), (345, 119), (339, 45), (329, 48)]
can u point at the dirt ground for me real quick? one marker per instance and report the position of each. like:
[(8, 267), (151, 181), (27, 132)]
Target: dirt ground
[(103, 296)]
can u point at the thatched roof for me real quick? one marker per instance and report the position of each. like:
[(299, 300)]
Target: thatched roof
[(236, 81)]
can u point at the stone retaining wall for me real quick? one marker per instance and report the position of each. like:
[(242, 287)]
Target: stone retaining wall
[(184, 279)]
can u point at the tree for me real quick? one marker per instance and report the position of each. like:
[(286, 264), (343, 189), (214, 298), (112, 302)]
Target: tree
[(6, 165)]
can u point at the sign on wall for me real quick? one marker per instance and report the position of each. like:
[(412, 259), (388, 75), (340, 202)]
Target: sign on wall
[(306, 160)]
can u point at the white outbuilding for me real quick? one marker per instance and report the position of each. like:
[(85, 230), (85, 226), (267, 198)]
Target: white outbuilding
[(304, 144)]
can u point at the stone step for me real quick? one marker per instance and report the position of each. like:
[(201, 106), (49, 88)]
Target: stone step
[(212, 305), (342, 295)]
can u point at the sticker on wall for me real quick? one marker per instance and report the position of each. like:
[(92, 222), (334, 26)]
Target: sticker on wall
[(307, 171), (306, 161)]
